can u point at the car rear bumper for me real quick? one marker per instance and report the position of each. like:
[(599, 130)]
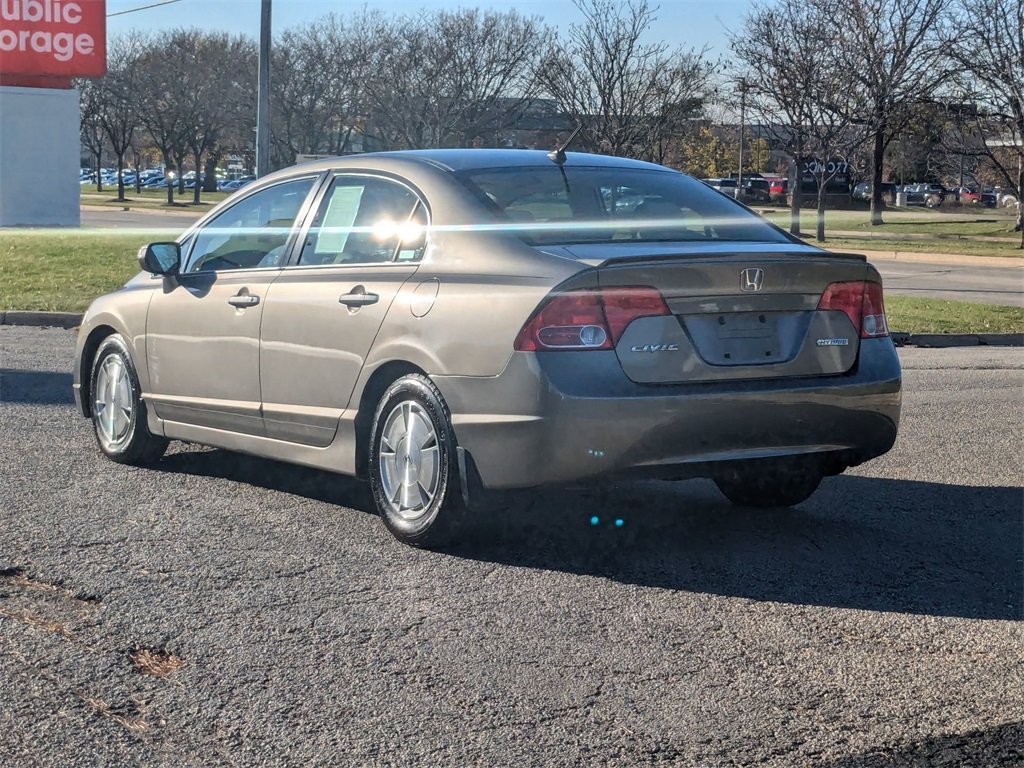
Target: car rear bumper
[(569, 416)]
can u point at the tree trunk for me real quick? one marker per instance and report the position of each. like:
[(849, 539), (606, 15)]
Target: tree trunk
[(819, 232), (99, 176), (197, 187), (138, 172), (210, 185), (180, 158), (877, 158), (167, 179), (794, 198), (1020, 199), (120, 177)]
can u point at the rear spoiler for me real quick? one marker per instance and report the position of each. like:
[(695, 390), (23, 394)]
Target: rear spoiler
[(744, 256)]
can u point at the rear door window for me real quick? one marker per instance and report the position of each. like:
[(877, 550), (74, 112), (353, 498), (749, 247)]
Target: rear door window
[(365, 220)]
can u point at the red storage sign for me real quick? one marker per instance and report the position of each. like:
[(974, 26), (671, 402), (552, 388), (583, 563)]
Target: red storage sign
[(53, 38)]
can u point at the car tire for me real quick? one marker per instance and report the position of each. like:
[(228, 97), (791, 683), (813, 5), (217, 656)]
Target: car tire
[(413, 467), (932, 201), (119, 414), (770, 483)]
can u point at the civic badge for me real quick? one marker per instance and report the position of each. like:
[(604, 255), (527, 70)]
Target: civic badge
[(751, 279)]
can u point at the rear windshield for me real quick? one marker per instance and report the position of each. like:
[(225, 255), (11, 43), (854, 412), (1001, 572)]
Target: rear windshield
[(602, 205)]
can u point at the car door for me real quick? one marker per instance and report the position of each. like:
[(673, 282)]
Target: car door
[(203, 328), (323, 313)]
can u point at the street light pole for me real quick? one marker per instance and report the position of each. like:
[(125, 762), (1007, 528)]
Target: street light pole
[(263, 98), (743, 110)]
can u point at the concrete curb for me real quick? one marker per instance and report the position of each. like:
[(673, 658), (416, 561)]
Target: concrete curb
[(41, 319), (945, 340), (69, 320), (1009, 262), (127, 208)]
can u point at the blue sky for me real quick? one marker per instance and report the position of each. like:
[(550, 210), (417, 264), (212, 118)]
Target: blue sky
[(688, 23)]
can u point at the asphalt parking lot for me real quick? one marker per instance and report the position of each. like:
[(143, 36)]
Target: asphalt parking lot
[(878, 624)]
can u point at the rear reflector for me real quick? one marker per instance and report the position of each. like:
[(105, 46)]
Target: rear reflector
[(862, 303), (593, 318)]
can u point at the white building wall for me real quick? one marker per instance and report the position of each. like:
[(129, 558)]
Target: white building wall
[(39, 157)]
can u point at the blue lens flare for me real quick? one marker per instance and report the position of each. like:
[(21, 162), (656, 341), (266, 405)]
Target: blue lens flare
[(595, 520), (619, 522)]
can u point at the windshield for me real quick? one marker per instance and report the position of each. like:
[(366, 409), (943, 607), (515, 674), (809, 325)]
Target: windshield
[(602, 205)]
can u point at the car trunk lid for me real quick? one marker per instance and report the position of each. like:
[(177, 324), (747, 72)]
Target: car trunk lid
[(743, 314)]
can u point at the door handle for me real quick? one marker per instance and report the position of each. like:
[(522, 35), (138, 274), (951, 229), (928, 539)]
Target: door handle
[(243, 300), (358, 299)]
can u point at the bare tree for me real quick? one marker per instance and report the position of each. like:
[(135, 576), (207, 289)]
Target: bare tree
[(492, 69), (893, 48), (406, 109), (90, 128), (447, 78), (988, 46), (317, 103), (215, 71), (160, 73), (627, 94), (117, 90), (805, 95)]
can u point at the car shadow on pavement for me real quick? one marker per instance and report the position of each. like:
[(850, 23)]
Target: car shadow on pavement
[(860, 542), (329, 488), (983, 748), (35, 387)]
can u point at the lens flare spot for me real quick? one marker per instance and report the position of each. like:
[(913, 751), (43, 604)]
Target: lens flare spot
[(410, 232), (595, 520), (385, 229), (619, 522)]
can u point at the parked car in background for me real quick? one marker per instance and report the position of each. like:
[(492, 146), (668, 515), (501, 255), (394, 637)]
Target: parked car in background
[(967, 195), (927, 194), (726, 186), (991, 197), (777, 188), (446, 322), (862, 192), (756, 190)]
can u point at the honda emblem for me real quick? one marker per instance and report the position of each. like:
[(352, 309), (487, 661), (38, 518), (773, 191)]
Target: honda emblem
[(751, 279)]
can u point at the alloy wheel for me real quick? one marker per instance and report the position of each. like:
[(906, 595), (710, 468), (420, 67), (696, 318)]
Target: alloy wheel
[(410, 462), (113, 400)]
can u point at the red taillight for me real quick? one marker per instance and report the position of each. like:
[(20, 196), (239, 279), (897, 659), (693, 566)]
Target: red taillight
[(588, 319), (862, 303)]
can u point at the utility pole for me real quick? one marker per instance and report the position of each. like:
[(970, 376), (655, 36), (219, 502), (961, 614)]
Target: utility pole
[(263, 98), (743, 110)]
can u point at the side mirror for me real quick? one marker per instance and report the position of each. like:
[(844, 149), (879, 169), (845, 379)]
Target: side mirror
[(160, 258)]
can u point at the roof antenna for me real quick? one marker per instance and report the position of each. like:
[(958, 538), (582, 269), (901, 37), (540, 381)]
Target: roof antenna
[(557, 155)]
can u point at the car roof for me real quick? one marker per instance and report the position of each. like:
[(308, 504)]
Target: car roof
[(455, 160)]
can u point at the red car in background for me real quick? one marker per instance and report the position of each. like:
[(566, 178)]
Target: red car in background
[(968, 195), (777, 187)]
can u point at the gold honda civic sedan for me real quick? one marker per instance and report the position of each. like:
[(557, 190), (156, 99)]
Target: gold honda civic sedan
[(445, 323)]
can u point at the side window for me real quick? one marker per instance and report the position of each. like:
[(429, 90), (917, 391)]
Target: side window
[(365, 220), (251, 233)]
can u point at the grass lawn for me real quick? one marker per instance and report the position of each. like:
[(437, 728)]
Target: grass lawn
[(912, 222), (914, 315), (965, 247), (149, 198), (64, 271)]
